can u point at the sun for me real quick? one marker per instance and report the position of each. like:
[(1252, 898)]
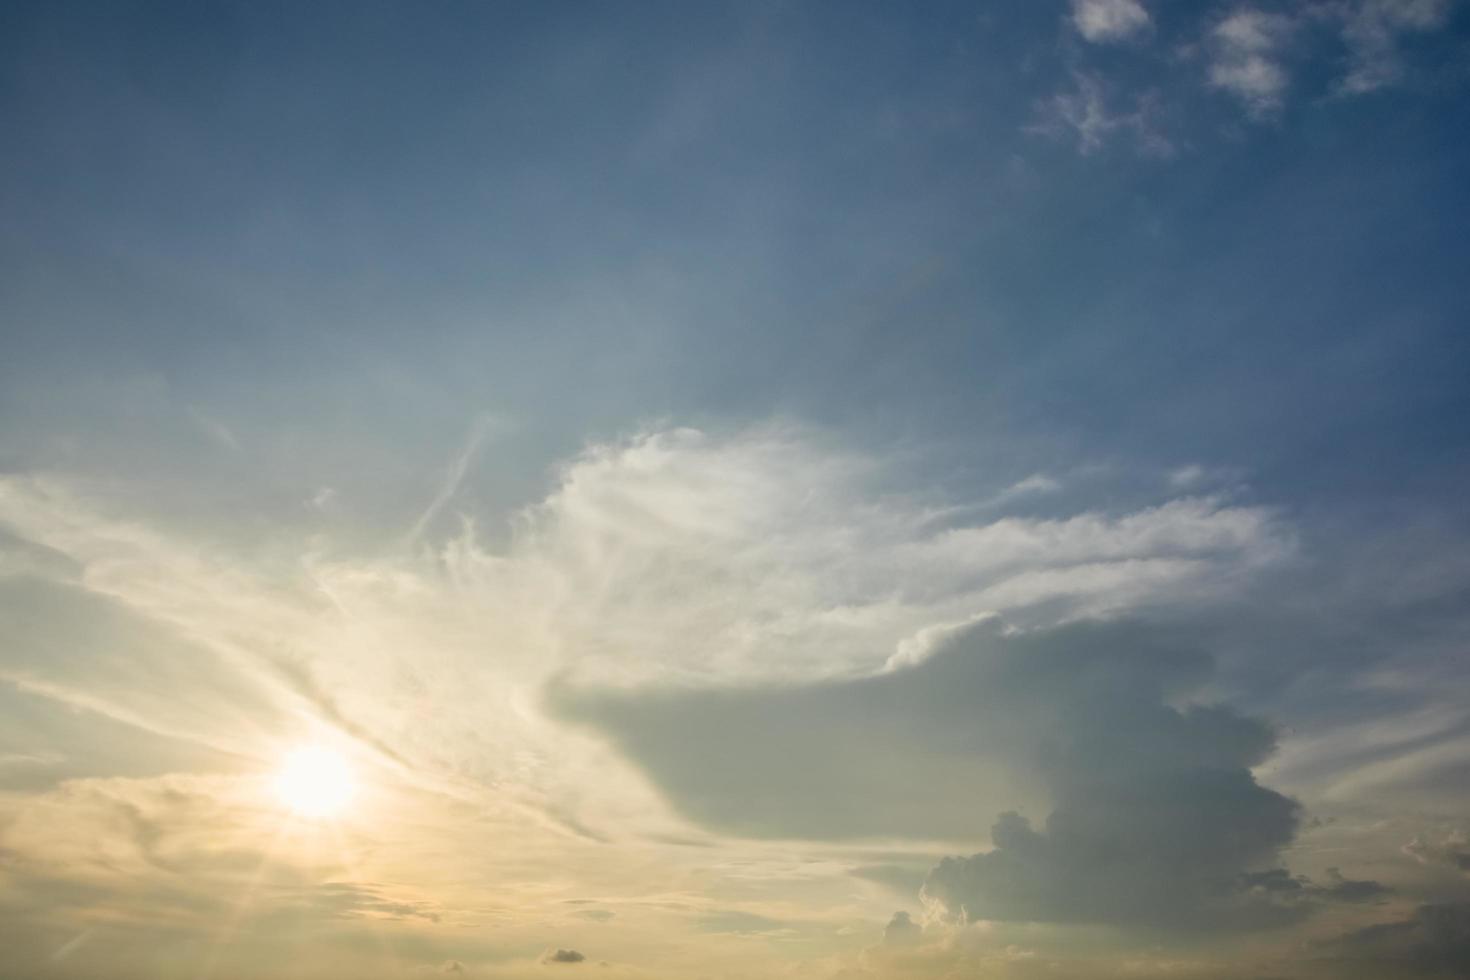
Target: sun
[(315, 782)]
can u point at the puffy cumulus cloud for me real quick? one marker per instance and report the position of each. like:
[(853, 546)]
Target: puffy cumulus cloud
[(1182, 841), (562, 956), (1252, 51), (1245, 61), (1434, 942), (1155, 819), (1109, 20), (986, 719), (1154, 851)]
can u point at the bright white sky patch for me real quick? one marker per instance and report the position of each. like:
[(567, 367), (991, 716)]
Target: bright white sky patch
[(315, 782)]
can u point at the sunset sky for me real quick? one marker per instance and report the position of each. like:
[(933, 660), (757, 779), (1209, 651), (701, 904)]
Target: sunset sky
[(715, 490)]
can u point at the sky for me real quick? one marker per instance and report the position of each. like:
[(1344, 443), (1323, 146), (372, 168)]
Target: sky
[(799, 490)]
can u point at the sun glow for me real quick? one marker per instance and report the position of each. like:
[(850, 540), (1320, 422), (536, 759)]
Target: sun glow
[(315, 782)]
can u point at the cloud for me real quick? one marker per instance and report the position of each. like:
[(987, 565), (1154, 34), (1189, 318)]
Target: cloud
[(1180, 842), (1156, 850), (1249, 52), (563, 956), (679, 554), (737, 922), (1186, 476), (91, 651), (1433, 941), (1037, 484), (768, 564), (989, 719), (1102, 21), (176, 853), (1372, 29), (757, 555), (1246, 48), (1084, 113), (1282, 884), (1452, 851), (356, 900), (903, 879), (1341, 889), (902, 931), (454, 475)]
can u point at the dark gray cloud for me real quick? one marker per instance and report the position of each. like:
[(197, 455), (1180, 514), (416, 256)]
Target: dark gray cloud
[(1154, 819), (1341, 889), (1434, 941), (1160, 851), (1280, 883), (563, 956), (1157, 852), (990, 721)]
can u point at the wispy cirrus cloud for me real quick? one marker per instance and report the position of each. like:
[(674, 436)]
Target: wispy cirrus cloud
[(672, 557), (1373, 31), (1088, 114)]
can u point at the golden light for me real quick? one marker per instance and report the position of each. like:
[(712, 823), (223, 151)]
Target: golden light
[(315, 782)]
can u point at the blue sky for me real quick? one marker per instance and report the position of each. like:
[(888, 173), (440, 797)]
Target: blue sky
[(484, 388)]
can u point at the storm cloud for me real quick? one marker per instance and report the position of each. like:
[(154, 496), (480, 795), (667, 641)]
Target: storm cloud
[(1152, 816)]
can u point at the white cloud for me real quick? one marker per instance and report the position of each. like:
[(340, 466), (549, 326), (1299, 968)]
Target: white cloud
[(1246, 60), (672, 557), (1034, 484), (1102, 21), (1186, 476)]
